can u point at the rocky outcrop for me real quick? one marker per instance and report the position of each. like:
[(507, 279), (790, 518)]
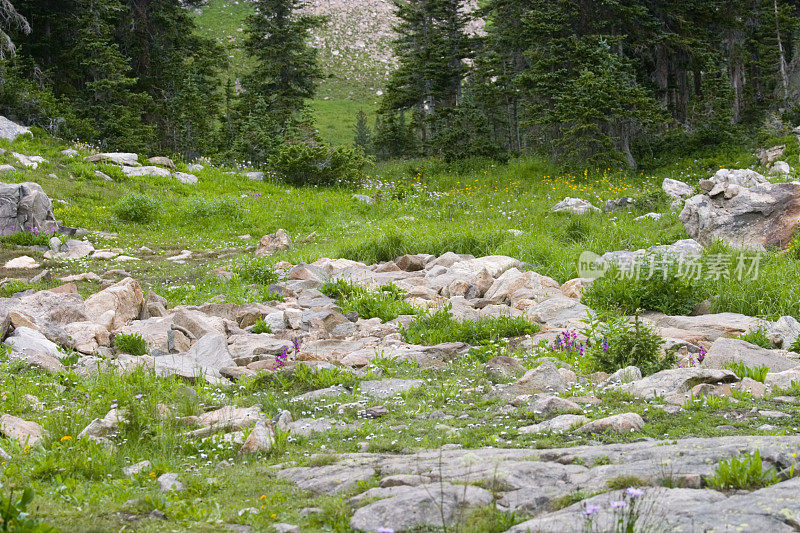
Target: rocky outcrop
[(24, 207), (11, 130), (575, 206), (763, 216)]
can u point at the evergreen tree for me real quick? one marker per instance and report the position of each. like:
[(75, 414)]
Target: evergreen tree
[(107, 96), (363, 134), (285, 69), (10, 20), (431, 48)]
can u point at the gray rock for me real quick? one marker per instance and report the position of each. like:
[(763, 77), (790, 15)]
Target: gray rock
[(307, 426), (137, 172), (285, 528), (544, 378), (272, 243), (27, 340), (503, 366), (186, 179), (546, 404), (75, 249), (609, 206), (11, 130), (132, 470), (725, 351), (621, 423), (677, 190), (364, 199), (678, 251), (169, 483), (757, 218), (559, 424), (25, 207), (558, 312), (676, 381), (330, 392), (576, 206), (625, 375), (436, 505), (386, 388), (783, 332), (117, 158), (783, 380)]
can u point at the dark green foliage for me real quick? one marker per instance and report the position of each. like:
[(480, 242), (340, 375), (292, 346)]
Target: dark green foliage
[(131, 344), (261, 327), (23, 238), (136, 207), (363, 134), (303, 164), (286, 70), (617, 344), (14, 515), (430, 328), (259, 270), (758, 373), (757, 337), (386, 302), (746, 473), (673, 294)]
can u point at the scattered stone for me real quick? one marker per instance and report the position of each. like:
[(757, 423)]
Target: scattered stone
[(275, 242), (373, 412), (386, 388), (23, 262), (163, 162), (576, 206), (117, 158), (260, 440), (725, 351), (364, 199), (677, 190), (25, 432), (138, 468), (11, 130), (169, 483), (25, 207), (622, 423), (560, 423)]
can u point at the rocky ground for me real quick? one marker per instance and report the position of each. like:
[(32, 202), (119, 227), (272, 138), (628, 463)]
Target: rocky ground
[(428, 392)]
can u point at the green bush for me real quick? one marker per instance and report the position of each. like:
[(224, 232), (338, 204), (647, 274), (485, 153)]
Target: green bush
[(261, 327), (136, 208), (757, 337), (758, 373), (200, 207), (671, 294), (14, 515), (302, 164), (747, 473), (616, 344), (386, 302), (258, 270), (24, 238), (132, 344), (429, 329)]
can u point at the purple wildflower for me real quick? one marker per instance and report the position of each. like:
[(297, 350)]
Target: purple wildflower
[(605, 346), (385, 530), (634, 492), (139, 396), (701, 355), (296, 344), (281, 360), (591, 509), (618, 505)]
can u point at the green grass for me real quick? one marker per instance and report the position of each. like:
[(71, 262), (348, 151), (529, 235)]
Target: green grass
[(758, 373), (757, 337), (431, 328), (386, 302), (742, 473), (132, 344)]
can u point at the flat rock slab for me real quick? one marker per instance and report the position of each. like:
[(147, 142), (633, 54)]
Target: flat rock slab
[(385, 388), (530, 480), (773, 509), (725, 351)]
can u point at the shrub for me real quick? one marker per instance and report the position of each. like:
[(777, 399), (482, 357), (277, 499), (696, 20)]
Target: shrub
[(136, 208), (429, 329), (758, 373), (616, 344), (386, 303), (303, 164), (757, 337), (199, 207), (25, 238), (668, 292), (747, 473), (261, 327), (14, 515), (132, 344), (257, 270)]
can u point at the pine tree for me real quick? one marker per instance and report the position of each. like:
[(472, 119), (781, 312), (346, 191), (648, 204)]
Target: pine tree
[(431, 47), (10, 20), (107, 96), (286, 71), (363, 134)]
